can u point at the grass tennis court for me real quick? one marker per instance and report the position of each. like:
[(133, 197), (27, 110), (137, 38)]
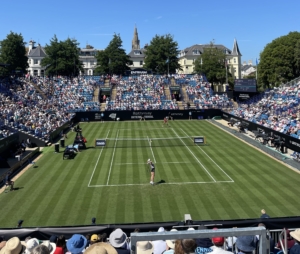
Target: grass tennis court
[(226, 179)]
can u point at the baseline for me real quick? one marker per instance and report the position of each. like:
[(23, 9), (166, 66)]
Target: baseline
[(145, 184)]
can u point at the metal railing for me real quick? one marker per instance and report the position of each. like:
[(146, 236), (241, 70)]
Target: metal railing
[(194, 234)]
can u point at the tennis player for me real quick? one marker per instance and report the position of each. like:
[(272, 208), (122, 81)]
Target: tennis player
[(152, 170), (166, 121)]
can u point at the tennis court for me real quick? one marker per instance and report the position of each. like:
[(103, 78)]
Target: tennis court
[(224, 179)]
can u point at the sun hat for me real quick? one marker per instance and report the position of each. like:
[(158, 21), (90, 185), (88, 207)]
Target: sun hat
[(148, 160), (51, 246), (246, 243), (117, 238), (171, 243), (13, 246), (76, 243), (161, 229), (95, 237), (100, 248), (144, 247), (296, 234), (190, 229), (30, 244)]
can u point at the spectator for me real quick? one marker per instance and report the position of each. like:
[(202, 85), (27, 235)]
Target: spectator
[(296, 248), (203, 244), (2, 244), (13, 246), (170, 244), (118, 239), (246, 244), (144, 247), (51, 246), (31, 244), (159, 245), (289, 239), (100, 247), (76, 244), (94, 239), (40, 249), (60, 245), (185, 246)]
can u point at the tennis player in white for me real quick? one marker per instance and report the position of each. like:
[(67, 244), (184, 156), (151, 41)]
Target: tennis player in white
[(152, 170)]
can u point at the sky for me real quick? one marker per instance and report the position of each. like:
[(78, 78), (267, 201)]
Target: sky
[(253, 24)]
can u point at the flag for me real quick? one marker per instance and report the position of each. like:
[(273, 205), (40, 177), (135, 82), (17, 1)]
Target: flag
[(256, 61), (167, 60)]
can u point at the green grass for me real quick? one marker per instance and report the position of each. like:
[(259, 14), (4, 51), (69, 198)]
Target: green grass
[(227, 179)]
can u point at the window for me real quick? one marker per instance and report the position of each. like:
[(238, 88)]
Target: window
[(196, 52), (35, 72), (234, 60), (141, 63), (234, 69), (35, 61), (186, 67), (91, 63), (228, 60), (136, 52), (184, 61)]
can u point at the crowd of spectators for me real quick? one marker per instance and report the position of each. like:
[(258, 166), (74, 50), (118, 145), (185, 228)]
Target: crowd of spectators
[(144, 92), (23, 108), (119, 243), (277, 109)]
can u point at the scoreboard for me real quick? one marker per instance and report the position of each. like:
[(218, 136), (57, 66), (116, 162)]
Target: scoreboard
[(245, 85)]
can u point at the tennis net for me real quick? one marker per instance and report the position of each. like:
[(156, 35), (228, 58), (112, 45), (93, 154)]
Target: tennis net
[(148, 142)]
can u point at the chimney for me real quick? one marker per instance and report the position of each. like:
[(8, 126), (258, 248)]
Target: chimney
[(31, 45)]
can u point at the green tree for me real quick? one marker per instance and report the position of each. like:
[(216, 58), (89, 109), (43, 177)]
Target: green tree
[(62, 58), (280, 61), (113, 59), (13, 53), (212, 64), (161, 55)]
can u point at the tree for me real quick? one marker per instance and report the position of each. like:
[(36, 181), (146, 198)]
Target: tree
[(62, 58), (162, 55), (280, 61), (13, 53), (113, 59), (212, 63)]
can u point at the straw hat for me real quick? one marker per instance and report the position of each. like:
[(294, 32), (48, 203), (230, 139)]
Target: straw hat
[(296, 234), (144, 247), (13, 246), (101, 248)]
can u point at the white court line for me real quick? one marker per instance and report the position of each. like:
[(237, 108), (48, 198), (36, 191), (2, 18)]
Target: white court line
[(166, 162), (194, 156), (151, 149), (142, 129), (145, 184), (112, 159), (211, 159), (97, 162)]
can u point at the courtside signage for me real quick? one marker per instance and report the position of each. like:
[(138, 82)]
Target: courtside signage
[(100, 142), (199, 140)]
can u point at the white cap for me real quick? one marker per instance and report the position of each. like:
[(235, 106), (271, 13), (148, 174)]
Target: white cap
[(149, 160)]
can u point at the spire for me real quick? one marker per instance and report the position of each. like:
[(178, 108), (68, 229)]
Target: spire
[(236, 50), (135, 40)]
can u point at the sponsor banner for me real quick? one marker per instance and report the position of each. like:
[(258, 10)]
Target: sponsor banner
[(100, 142), (8, 142)]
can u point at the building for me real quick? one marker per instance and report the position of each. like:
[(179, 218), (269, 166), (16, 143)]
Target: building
[(188, 56), (247, 69), (87, 56), (35, 56), (137, 54)]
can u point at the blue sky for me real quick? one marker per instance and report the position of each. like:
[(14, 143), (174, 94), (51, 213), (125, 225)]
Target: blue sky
[(253, 23)]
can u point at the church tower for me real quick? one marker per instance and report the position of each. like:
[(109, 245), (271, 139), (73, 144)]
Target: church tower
[(135, 40)]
